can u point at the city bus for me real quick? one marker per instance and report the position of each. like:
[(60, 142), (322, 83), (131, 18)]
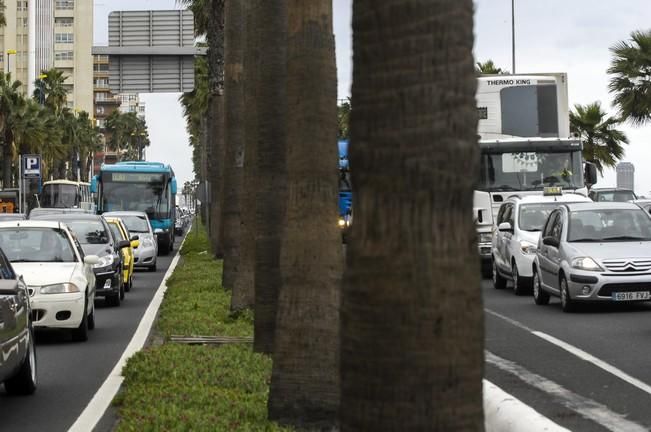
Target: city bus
[(67, 194), (148, 187)]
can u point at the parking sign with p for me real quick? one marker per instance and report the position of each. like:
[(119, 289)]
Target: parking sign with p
[(31, 166)]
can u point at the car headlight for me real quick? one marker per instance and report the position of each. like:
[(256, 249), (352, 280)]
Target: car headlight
[(342, 222), (485, 237), (586, 263), (105, 261), (60, 288), (147, 242), (527, 247)]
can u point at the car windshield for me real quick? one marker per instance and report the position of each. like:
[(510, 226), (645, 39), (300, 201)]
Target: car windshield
[(136, 224), (532, 217), (604, 225), (89, 231), (115, 229), (36, 245), (618, 196)]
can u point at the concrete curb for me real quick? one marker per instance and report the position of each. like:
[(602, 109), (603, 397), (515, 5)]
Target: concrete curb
[(505, 413)]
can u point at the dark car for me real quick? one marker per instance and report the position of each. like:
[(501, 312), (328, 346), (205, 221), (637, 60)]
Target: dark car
[(96, 238), (40, 211), (611, 194), (18, 360)]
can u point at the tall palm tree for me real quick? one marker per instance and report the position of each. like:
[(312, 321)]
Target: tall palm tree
[(631, 80), (243, 295), (489, 68), (304, 383), (271, 169), (10, 101), (49, 90), (602, 142), (234, 138), (412, 319)]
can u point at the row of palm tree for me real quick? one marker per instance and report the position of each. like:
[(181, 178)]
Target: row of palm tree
[(377, 342), (43, 124), (126, 134)]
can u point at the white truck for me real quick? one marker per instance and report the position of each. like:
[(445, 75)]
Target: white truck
[(525, 144)]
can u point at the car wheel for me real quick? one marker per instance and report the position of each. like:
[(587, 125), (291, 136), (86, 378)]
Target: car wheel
[(152, 268), (91, 319), (520, 287), (122, 289), (539, 295), (24, 382), (80, 334), (498, 281), (567, 304)]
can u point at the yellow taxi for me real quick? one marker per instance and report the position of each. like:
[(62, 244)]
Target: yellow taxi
[(120, 233)]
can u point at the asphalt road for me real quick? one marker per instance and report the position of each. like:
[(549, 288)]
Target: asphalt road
[(587, 371), (69, 373)]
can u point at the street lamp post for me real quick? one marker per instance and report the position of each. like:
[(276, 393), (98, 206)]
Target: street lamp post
[(9, 54)]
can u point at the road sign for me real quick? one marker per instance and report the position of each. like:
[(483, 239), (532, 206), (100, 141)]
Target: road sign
[(31, 166)]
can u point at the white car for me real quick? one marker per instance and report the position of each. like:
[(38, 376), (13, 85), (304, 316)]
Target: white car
[(59, 278), (138, 225), (515, 238)]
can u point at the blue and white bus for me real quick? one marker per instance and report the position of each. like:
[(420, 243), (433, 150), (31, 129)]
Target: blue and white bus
[(148, 187)]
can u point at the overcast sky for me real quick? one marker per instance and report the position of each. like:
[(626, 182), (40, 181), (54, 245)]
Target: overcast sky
[(551, 36)]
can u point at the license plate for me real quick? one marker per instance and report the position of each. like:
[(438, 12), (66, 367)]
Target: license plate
[(628, 296)]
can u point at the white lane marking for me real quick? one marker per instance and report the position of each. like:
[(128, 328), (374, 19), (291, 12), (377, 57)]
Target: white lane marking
[(97, 406), (579, 353), (583, 406), (505, 413)]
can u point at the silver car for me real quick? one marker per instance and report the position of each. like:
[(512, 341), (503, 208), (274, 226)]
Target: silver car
[(594, 252), (138, 224)]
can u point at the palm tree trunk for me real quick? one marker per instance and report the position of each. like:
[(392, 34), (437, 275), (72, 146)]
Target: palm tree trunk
[(412, 317), (304, 388), (271, 186), (243, 296), (215, 36), (234, 138), (7, 160)]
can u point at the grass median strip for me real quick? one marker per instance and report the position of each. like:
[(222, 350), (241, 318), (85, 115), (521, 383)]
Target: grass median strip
[(196, 387)]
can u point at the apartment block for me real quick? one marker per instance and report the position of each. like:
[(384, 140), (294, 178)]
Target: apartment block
[(41, 34)]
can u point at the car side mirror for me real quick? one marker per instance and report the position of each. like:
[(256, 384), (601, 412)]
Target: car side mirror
[(505, 227), (590, 174), (551, 241), (124, 244), (135, 243), (91, 259), (135, 237)]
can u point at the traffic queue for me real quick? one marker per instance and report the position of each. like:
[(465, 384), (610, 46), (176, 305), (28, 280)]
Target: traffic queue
[(566, 245), (54, 265)]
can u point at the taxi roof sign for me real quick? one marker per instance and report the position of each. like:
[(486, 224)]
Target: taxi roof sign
[(552, 191)]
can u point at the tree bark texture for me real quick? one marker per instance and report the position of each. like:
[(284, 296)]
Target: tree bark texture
[(412, 320), (7, 161), (304, 388), (234, 138), (271, 186), (215, 37), (243, 295)]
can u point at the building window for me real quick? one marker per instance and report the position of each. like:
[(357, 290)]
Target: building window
[(21, 5), (65, 4), (64, 55), (64, 22), (64, 38), (22, 22)]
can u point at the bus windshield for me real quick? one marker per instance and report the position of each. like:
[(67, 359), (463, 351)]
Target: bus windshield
[(60, 196), (521, 171), (152, 197)]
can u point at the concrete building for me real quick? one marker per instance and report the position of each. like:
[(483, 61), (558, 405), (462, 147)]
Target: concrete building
[(130, 102), (41, 34), (626, 175)]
